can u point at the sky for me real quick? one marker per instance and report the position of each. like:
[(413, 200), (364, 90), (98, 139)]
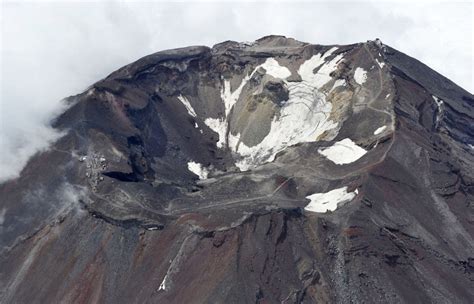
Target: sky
[(51, 50)]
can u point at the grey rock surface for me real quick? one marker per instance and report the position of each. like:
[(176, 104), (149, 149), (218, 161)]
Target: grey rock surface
[(188, 177)]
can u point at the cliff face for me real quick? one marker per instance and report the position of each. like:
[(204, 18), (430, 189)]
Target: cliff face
[(265, 172)]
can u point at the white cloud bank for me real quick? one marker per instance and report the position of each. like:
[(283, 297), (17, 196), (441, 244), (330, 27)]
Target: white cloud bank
[(56, 49)]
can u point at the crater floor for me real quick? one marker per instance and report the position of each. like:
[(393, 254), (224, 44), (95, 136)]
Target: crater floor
[(268, 172)]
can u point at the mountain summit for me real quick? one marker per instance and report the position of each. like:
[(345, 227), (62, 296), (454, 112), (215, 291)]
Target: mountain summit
[(275, 171)]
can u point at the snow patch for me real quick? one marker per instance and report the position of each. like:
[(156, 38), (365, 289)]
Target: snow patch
[(439, 104), (163, 283), (273, 68), (303, 118), (230, 98), (198, 169), (219, 126), (379, 130), (381, 64), (343, 152), (322, 75), (438, 101), (329, 201), (338, 83), (188, 106), (360, 75)]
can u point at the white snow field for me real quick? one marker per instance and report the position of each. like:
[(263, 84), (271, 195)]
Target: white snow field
[(329, 201)]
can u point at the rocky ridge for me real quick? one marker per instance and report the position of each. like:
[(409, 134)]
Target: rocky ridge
[(204, 175)]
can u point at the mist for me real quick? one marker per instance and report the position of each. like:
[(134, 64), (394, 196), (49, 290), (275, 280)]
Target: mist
[(53, 50)]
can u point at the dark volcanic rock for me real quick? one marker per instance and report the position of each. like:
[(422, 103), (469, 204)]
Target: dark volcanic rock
[(271, 172)]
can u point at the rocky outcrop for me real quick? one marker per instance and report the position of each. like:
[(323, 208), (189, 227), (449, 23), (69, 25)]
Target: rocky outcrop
[(184, 177)]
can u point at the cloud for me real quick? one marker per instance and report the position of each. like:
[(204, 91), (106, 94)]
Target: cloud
[(56, 49)]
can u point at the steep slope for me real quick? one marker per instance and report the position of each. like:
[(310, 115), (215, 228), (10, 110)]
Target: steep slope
[(265, 172)]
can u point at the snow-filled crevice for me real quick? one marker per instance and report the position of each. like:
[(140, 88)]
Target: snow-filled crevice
[(188, 106), (439, 111)]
